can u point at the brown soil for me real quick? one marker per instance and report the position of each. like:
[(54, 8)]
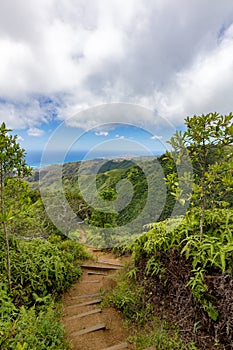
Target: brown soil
[(115, 332)]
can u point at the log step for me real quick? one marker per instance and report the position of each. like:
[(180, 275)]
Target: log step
[(96, 250), (91, 302), (95, 328), (111, 263), (84, 314), (97, 281), (117, 347), (87, 296), (98, 267), (96, 273)]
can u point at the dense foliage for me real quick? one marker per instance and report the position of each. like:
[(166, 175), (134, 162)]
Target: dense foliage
[(185, 264), (182, 266), (205, 150), (34, 272), (41, 271), (28, 329), (190, 278), (137, 186)]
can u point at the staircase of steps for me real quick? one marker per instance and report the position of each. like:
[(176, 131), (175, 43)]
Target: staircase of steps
[(87, 325)]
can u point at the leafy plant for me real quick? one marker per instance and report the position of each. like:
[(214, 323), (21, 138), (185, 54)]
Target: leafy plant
[(40, 268), (162, 336), (205, 136), (12, 163), (130, 299), (30, 330)]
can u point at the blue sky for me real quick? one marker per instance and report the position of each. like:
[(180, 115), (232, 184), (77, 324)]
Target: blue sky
[(60, 60), (112, 135)]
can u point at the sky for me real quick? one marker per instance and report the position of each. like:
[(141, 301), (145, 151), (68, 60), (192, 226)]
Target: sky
[(154, 62)]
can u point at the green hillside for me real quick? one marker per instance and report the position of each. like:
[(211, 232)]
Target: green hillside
[(123, 195), (172, 214)]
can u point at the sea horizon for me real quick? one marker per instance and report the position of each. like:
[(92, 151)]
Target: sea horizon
[(34, 158)]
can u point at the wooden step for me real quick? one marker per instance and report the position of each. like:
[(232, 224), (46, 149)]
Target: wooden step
[(110, 263), (117, 347), (101, 249), (98, 267), (97, 281), (150, 348), (91, 302), (96, 273), (87, 296), (84, 314), (95, 328)]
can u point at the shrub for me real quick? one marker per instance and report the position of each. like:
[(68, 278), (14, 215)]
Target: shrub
[(175, 265), (32, 331), (40, 268), (77, 251)]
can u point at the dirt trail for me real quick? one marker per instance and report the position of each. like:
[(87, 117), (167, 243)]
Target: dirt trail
[(82, 310), (83, 235)]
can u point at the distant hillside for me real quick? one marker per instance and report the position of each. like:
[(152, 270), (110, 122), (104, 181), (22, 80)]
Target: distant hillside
[(123, 194)]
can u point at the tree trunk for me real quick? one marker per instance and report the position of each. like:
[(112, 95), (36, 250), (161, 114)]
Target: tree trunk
[(8, 255), (203, 194), (6, 238), (202, 211)]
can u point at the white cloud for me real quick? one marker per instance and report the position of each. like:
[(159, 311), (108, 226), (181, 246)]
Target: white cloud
[(101, 133), (175, 57), (24, 114), (35, 132), (120, 137), (156, 137), (205, 86), (20, 138)]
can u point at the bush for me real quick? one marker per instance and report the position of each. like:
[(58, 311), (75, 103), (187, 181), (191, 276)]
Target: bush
[(162, 336), (184, 272), (77, 251), (40, 271), (132, 300), (32, 331), (39, 268)]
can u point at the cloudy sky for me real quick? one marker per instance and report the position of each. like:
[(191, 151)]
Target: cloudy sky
[(58, 58)]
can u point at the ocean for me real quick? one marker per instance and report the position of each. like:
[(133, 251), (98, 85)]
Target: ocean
[(33, 158)]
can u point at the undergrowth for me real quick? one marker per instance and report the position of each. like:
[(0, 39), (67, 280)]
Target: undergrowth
[(190, 280), (132, 300), (161, 335), (185, 279), (33, 330), (41, 272)]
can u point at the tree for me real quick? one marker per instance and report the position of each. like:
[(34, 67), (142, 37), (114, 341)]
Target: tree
[(12, 165), (208, 137)]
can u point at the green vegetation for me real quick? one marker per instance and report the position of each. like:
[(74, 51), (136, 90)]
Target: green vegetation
[(115, 203), (11, 163), (34, 271), (132, 300), (31, 329), (41, 272), (208, 143), (178, 292), (184, 265), (186, 282), (162, 336)]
